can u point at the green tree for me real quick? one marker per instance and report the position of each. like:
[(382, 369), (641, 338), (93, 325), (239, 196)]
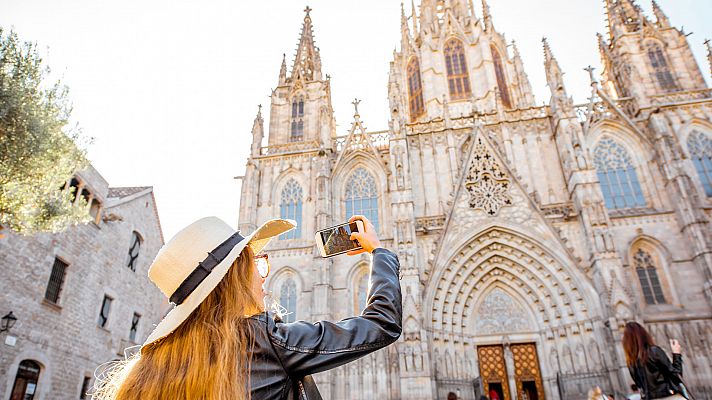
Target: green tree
[(39, 151)]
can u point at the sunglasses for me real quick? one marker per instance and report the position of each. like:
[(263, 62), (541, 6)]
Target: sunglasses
[(262, 264)]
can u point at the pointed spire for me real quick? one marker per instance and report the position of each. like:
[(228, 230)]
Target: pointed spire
[(486, 15), (623, 16), (258, 131), (709, 54), (414, 17), (560, 100), (405, 32), (427, 13), (662, 19), (307, 62), (471, 5), (283, 70), (522, 78)]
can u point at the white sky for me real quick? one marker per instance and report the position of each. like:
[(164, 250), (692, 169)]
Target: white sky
[(169, 88)]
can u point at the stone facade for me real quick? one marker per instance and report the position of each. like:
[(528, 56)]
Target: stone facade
[(528, 235), (64, 337)]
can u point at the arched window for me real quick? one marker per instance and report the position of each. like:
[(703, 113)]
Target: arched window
[(290, 206), (297, 128), (362, 196), (25, 386), (648, 276), (288, 299), (361, 292), (660, 66), (458, 79), (619, 181), (415, 90), (700, 146), (134, 250), (501, 78)]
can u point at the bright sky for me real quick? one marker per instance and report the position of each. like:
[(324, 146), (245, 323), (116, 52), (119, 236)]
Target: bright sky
[(169, 88)]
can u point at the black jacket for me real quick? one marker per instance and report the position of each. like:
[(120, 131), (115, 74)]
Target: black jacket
[(285, 354), (658, 378)]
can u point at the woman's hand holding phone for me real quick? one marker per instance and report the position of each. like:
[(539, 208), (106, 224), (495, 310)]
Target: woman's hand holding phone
[(368, 240)]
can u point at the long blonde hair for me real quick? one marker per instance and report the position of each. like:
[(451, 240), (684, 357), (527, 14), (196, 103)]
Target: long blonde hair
[(206, 357)]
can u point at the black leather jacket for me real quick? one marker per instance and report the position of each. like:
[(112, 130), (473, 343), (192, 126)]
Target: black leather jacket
[(659, 378), (285, 354)]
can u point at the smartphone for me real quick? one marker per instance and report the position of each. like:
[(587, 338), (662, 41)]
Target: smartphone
[(336, 239)]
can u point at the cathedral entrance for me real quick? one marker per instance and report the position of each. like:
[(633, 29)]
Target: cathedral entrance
[(517, 366)]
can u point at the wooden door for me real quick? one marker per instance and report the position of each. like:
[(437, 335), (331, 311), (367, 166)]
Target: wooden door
[(527, 374), (493, 371)]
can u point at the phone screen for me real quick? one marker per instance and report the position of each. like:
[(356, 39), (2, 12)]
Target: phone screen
[(336, 240)]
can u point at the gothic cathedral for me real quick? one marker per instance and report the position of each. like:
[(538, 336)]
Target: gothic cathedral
[(527, 235)]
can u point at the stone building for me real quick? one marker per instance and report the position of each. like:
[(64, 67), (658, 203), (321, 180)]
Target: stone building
[(527, 234), (81, 296)]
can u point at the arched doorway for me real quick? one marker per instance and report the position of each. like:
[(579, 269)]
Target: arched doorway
[(25, 386)]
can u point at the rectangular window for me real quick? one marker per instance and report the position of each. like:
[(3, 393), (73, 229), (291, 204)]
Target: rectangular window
[(104, 313), (56, 280), (134, 327), (85, 387)]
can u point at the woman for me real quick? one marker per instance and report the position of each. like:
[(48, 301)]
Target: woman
[(649, 366), (219, 343)]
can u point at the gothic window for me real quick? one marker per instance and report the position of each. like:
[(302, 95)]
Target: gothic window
[(700, 146), (288, 299), (297, 127), (617, 175), (415, 90), (362, 196), (134, 250), (25, 386), (660, 67), (361, 292), (56, 280), (501, 78), (291, 207), (457, 77), (648, 276)]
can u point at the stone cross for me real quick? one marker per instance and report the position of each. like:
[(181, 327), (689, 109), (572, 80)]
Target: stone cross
[(356, 102), (590, 70), (307, 10)]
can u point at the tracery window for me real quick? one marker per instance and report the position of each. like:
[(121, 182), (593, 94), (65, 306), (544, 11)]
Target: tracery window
[(617, 175), (288, 299), (648, 276), (700, 146), (291, 207), (297, 128), (362, 196), (501, 78), (134, 250), (361, 292), (458, 78), (415, 90), (660, 66)]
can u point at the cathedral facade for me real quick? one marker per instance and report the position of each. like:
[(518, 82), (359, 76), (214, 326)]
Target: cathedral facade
[(527, 235)]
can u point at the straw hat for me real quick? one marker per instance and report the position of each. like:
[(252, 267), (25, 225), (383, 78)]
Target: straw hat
[(191, 265)]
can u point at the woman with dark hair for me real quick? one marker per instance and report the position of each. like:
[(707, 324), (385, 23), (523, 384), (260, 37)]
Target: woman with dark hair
[(649, 366)]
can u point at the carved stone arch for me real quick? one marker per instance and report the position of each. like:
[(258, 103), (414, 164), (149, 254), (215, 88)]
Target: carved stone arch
[(44, 383), (356, 273), (695, 124), (544, 251), (278, 277), (662, 260)]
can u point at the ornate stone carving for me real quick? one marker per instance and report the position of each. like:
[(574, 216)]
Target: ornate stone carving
[(487, 184), (499, 313)]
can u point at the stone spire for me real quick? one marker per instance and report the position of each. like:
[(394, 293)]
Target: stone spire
[(405, 32), (709, 54), (307, 63), (524, 84), (414, 17), (486, 16), (258, 132), (662, 19), (283, 70), (471, 6), (560, 101)]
